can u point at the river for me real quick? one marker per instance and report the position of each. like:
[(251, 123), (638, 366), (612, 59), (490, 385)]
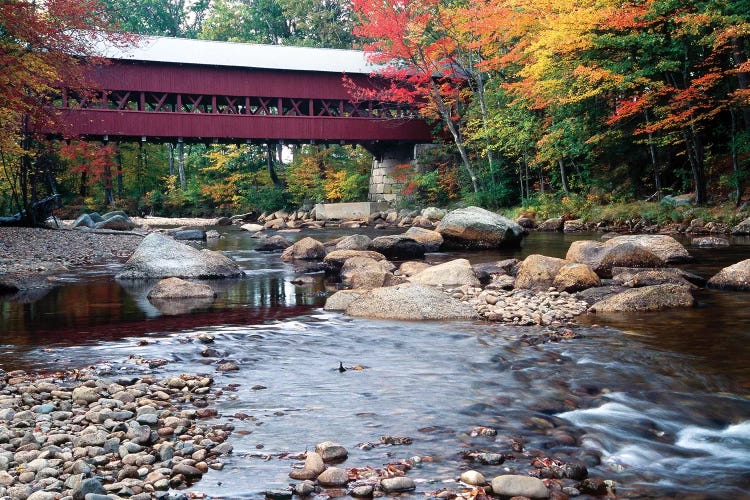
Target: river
[(657, 402)]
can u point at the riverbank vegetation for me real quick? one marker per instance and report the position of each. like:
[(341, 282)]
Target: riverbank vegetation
[(596, 110)]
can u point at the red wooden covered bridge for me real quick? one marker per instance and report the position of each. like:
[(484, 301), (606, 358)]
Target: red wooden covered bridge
[(170, 89)]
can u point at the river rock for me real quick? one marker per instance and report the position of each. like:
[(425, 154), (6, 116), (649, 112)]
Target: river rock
[(433, 213), (412, 267), (709, 242), (473, 478), (304, 249), (427, 237), (273, 243), (556, 224), (537, 272), (334, 261), (475, 227), (649, 298), (602, 257), (367, 273), (176, 288), (734, 277), (314, 462), (354, 242), (410, 302), (397, 484), (117, 222), (573, 226), (743, 228), (190, 234), (575, 277), (649, 277), (511, 485), (340, 300), (333, 476), (526, 222), (305, 488), (330, 451), (253, 228), (159, 256), (452, 273), (668, 249), (398, 246)]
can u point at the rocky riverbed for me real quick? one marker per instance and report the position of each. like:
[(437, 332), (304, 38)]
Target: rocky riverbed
[(102, 433)]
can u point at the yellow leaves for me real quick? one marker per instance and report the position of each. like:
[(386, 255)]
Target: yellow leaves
[(334, 185)]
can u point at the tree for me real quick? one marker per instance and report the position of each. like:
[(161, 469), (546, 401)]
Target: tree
[(176, 18), (41, 45), (420, 63)]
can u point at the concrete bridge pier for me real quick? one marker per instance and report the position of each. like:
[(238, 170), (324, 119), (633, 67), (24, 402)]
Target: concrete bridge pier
[(390, 168)]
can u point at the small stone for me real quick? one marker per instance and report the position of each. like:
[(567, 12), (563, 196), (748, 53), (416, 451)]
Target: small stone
[(396, 484), (279, 494), (362, 491), (473, 478), (303, 474), (511, 485), (304, 488)]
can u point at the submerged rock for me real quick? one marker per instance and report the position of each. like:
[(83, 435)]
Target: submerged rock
[(176, 288), (649, 298), (410, 302), (159, 256)]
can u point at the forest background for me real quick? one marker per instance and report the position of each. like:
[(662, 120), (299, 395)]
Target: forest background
[(595, 108)]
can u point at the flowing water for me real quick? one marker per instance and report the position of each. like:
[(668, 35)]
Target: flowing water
[(657, 402)]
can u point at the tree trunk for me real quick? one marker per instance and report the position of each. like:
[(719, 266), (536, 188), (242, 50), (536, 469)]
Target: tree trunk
[(695, 155), (83, 185), (170, 152), (271, 171), (181, 165), (563, 176), (118, 160), (652, 152)]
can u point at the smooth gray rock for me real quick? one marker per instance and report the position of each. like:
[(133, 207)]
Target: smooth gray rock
[(396, 484), (330, 451), (475, 227), (159, 256), (649, 298), (511, 485), (190, 234), (354, 242), (410, 302), (116, 222), (432, 240), (398, 246), (456, 272), (333, 476)]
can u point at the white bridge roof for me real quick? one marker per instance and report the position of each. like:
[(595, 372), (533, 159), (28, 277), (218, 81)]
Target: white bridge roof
[(242, 55)]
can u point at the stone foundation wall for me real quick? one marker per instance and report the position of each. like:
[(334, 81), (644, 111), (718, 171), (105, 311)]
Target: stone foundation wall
[(383, 183)]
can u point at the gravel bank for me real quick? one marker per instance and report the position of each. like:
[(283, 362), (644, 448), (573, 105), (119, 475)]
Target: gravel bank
[(82, 434), (28, 256)]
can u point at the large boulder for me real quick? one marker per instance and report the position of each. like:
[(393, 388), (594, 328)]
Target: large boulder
[(433, 213), (743, 228), (366, 273), (273, 243), (410, 302), (354, 242), (456, 272), (430, 239), (734, 277), (159, 256), (398, 246), (575, 277), (176, 288), (602, 257), (649, 298), (335, 260), (637, 278), (475, 227), (537, 272), (668, 249), (304, 249)]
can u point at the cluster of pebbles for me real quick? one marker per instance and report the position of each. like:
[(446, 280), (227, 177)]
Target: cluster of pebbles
[(77, 436), (323, 473), (522, 307)]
